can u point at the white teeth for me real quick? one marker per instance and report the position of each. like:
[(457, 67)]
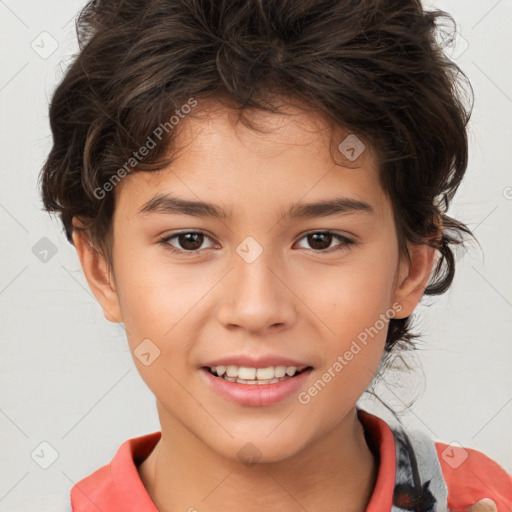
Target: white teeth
[(260, 373), (255, 375), (232, 371), (253, 382), (247, 373), (291, 370), (280, 371)]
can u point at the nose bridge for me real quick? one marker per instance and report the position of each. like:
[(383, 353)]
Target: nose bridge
[(254, 296)]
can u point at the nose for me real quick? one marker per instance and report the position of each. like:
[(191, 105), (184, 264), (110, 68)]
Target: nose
[(255, 297)]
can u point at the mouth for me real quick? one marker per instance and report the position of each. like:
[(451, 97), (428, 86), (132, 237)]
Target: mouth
[(256, 387), (255, 376)]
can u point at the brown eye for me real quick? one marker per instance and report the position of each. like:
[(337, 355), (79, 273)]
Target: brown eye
[(321, 241), (189, 241)]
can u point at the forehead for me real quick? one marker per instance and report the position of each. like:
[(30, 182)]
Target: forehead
[(296, 129), (288, 157)]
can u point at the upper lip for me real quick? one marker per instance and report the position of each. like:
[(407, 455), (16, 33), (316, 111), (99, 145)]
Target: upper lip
[(256, 362)]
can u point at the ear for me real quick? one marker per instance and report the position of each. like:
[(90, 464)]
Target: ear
[(99, 278), (413, 277)]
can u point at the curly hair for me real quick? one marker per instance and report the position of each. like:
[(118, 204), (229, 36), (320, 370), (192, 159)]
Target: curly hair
[(375, 67)]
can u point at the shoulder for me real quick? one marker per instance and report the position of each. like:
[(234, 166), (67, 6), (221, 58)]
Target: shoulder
[(117, 485), (471, 476), (435, 474)]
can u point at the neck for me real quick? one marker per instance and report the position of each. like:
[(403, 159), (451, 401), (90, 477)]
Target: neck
[(336, 472)]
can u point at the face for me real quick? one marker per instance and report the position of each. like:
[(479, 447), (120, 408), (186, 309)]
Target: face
[(268, 280)]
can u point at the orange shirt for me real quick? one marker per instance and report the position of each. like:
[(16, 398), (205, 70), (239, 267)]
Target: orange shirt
[(469, 475)]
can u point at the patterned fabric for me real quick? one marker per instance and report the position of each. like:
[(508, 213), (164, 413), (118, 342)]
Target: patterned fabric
[(419, 482)]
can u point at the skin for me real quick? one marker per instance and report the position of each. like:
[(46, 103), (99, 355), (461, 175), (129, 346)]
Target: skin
[(485, 505), (294, 300)]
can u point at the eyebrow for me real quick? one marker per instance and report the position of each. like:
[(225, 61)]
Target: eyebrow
[(166, 203)]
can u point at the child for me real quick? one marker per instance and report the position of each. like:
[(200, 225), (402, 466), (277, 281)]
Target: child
[(265, 129)]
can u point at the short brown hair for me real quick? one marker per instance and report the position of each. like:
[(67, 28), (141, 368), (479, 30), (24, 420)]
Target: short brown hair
[(372, 66)]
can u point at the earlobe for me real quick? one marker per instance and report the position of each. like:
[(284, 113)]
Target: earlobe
[(414, 277), (99, 278)]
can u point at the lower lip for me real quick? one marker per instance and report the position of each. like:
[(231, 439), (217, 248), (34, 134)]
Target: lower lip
[(256, 395)]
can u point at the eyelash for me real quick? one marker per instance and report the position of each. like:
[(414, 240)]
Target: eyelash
[(343, 246)]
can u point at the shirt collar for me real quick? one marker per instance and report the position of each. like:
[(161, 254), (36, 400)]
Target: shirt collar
[(381, 436), (117, 486)]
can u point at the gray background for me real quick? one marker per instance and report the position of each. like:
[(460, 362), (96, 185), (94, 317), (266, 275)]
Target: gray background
[(67, 376)]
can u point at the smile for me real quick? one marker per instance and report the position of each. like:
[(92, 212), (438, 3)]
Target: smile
[(255, 387), (259, 376)]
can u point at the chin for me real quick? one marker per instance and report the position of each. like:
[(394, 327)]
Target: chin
[(258, 449)]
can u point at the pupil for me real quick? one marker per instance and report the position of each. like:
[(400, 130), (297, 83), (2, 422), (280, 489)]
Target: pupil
[(316, 237), (186, 238)]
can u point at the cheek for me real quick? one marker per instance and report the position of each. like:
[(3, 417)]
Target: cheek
[(354, 295), (159, 303), (356, 304), (359, 316), (158, 299)]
